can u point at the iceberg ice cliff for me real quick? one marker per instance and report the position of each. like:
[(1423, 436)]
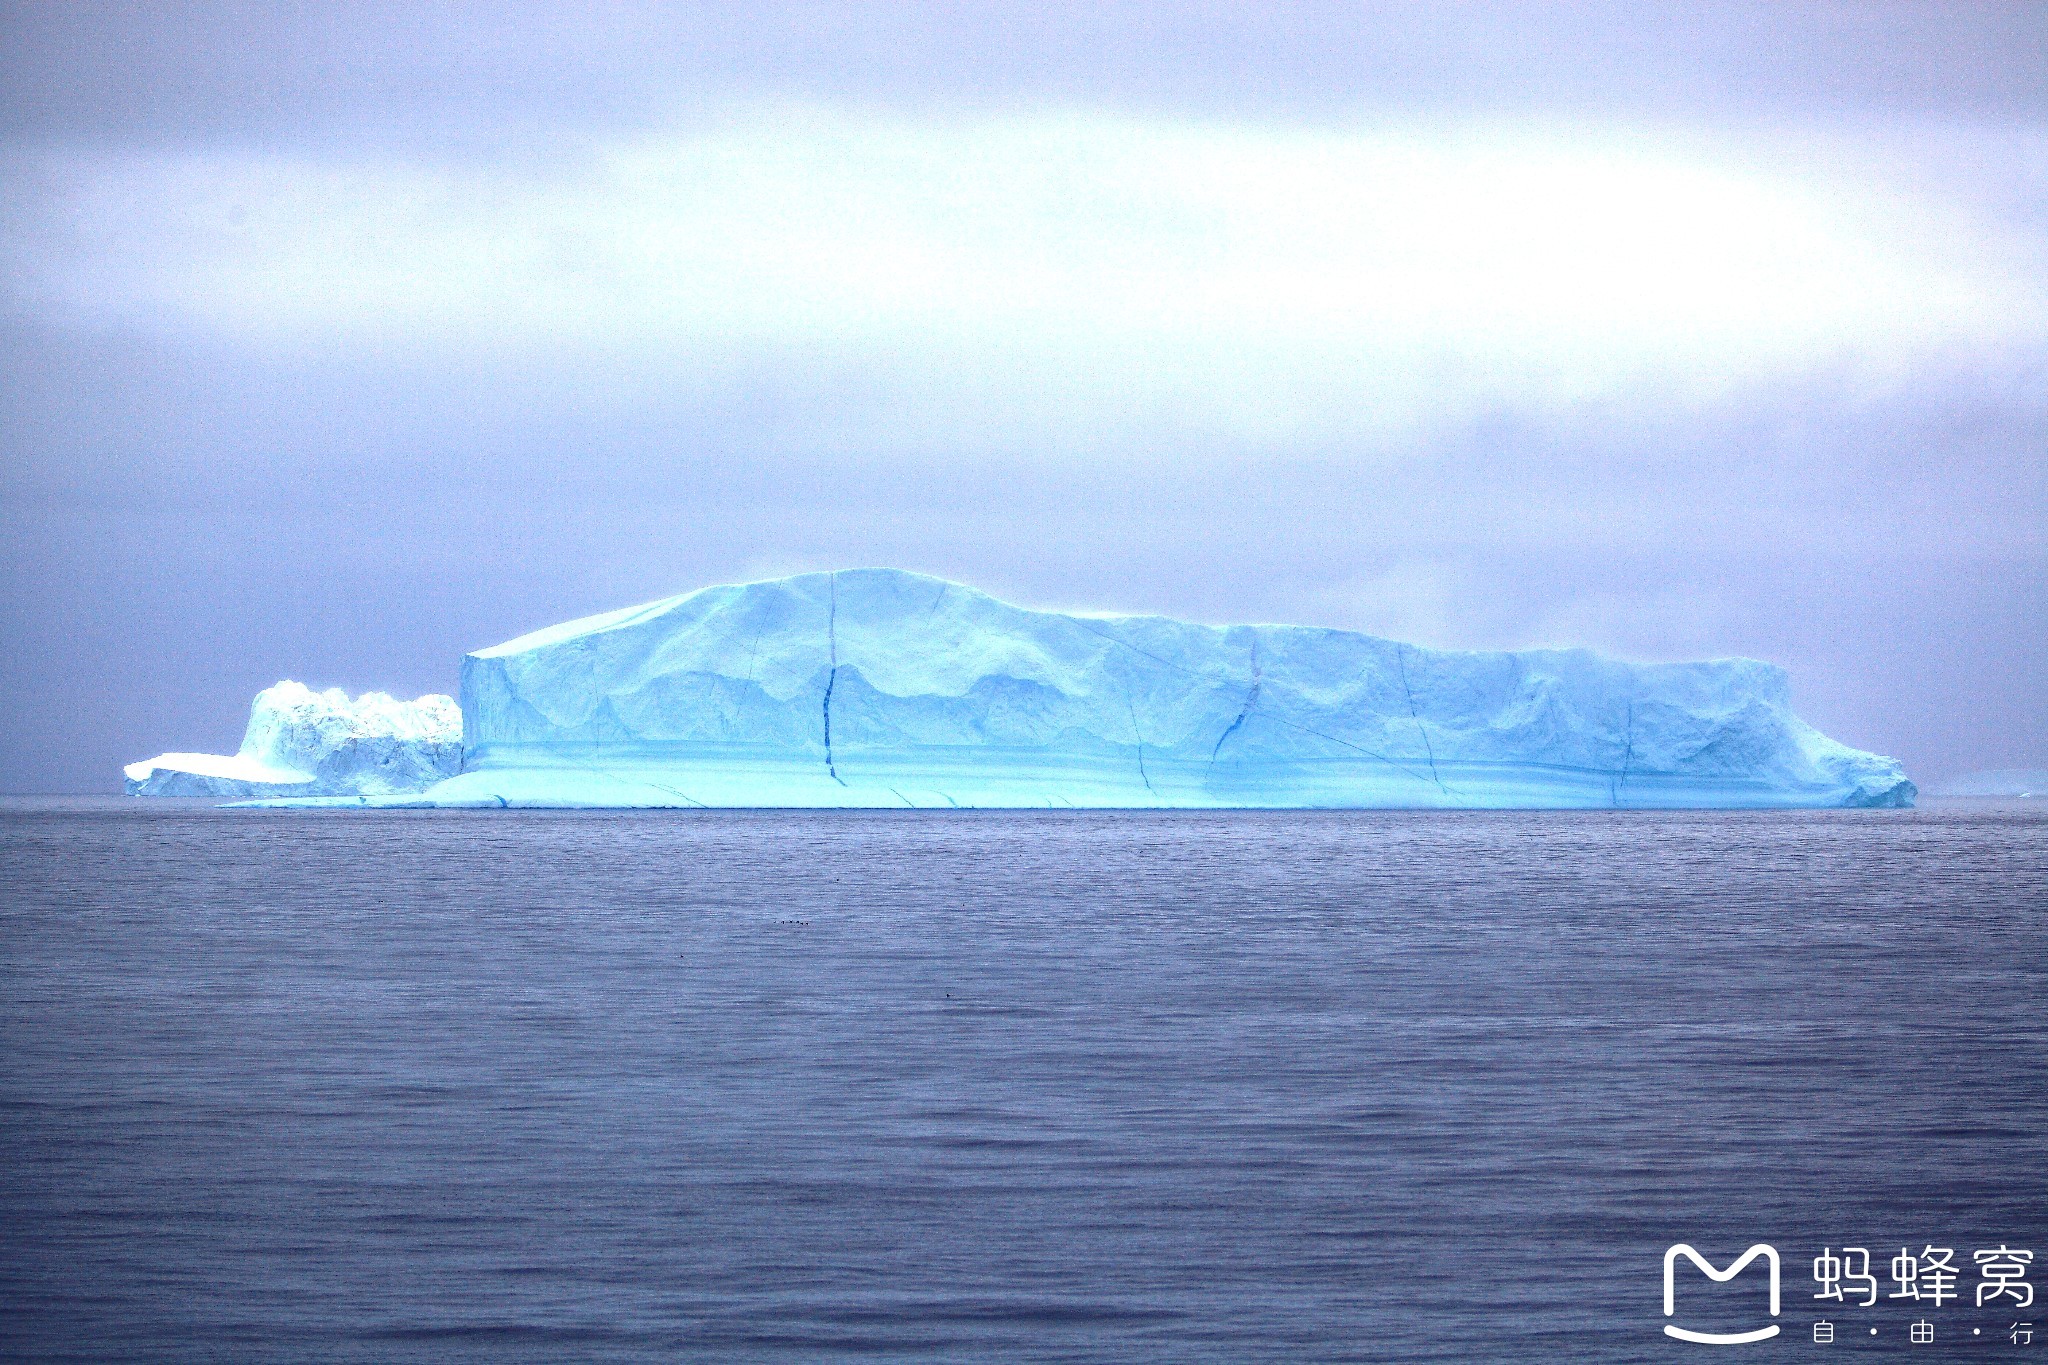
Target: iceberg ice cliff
[(306, 743), (876, 687)]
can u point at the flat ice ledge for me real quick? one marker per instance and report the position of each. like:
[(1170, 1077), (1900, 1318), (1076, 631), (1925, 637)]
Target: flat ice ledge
[(223, 775), (967, 778)]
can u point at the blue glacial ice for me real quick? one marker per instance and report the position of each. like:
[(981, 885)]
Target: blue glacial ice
[(306, 743), (881, 688)]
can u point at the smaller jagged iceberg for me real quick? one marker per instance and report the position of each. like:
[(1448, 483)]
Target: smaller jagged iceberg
[(306, 743)]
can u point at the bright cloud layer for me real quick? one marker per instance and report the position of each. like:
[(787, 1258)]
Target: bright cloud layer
[(1318, 266)]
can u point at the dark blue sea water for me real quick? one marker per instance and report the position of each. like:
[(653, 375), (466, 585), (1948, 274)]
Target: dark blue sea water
[(1196, 1086)]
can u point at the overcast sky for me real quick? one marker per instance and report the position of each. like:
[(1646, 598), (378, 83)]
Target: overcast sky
[(339, 340)]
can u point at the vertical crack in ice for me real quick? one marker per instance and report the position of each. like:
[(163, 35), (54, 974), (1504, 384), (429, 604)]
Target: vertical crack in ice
[(831, 681), (931, 610), (1628, 753), (1251, 699), (904, 799), (832, 678), (1132, 707), (1401, 659)]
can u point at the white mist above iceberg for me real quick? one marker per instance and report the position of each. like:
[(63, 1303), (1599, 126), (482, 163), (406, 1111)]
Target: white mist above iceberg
[(306, 743), (880, 688)]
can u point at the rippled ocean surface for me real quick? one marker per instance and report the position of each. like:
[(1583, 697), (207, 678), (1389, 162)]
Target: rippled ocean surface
[(1016, 1086)]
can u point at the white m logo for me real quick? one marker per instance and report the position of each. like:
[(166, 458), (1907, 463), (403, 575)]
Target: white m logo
[(1769, 1253)]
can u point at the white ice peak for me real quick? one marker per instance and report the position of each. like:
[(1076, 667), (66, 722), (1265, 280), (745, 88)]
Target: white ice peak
[(306, 743)]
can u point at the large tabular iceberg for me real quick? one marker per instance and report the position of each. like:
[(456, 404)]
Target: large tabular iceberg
[(306, 743), (880, 688)]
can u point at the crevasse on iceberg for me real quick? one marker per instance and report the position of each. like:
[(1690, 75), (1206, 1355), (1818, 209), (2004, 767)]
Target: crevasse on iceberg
[(306, 743), (881, 688)]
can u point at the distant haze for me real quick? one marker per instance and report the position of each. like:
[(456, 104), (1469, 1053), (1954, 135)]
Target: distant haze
[(337, 341)]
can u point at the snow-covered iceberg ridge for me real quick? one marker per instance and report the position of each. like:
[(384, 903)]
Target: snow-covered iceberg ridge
[(876, 687), (306, 743)]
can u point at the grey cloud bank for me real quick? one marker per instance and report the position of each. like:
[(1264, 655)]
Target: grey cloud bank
[(489, 75), (352, 343)]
